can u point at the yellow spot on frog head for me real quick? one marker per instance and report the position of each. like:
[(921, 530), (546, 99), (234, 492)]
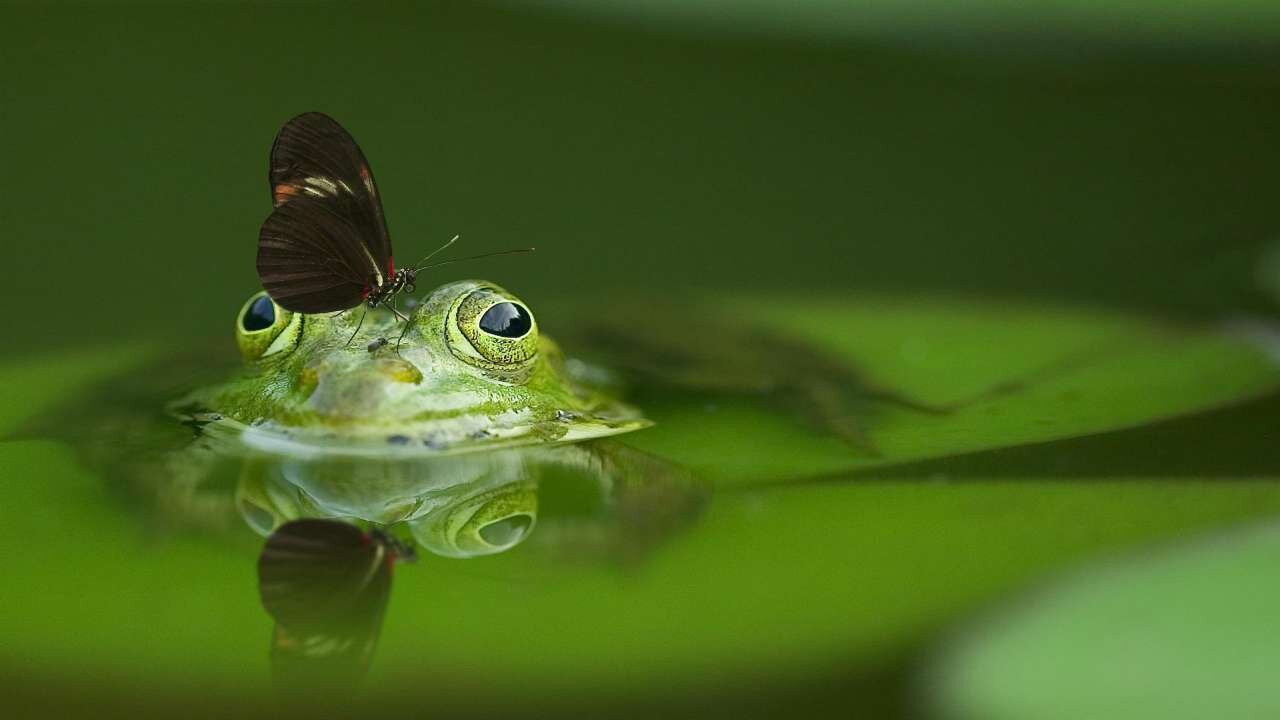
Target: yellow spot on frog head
[(399, 370)]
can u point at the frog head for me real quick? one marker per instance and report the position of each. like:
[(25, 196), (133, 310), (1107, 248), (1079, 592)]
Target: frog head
[(465, 368)]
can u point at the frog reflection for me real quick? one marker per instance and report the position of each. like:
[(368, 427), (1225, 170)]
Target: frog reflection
[(606, 503), (481, 503), (456, 506)]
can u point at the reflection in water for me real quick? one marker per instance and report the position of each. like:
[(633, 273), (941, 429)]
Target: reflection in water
[(326, 585), (457, 506), (596, 502), (326, 582), (598, 499)]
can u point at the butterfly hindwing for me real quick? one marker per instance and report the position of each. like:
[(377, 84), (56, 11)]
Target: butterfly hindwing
[(315, 573), (311, 258)]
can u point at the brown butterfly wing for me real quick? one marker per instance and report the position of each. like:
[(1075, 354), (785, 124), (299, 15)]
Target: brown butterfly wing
[(327, 237), (326, 585), (311, 258)]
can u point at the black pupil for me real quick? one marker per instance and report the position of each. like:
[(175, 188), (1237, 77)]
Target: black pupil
[(507, 320), (260, 315)]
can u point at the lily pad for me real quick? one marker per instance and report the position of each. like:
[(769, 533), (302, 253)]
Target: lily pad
[(1000, 375), (1005, 375), (1185, 632)]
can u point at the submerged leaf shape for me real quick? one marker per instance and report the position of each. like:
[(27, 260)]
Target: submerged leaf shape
[(789, 388), (994, 374)]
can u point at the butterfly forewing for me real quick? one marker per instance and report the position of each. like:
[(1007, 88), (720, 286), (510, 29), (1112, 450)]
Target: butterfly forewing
[(326, 244)]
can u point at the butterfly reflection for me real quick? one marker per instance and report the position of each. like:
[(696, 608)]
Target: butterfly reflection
[(326, 585)]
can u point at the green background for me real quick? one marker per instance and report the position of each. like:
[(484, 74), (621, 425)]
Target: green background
[(1052, 162), (1070, 169)]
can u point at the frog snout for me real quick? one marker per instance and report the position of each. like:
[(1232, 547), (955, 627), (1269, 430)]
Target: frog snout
[(372, 374), (398, 369), (364, 390)]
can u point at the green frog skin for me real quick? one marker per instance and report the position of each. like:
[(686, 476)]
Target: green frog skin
[(471, 371)]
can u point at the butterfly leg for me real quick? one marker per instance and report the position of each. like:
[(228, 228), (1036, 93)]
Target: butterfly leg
[(399, 315), (403, 330), (400, 339), (357, 330)]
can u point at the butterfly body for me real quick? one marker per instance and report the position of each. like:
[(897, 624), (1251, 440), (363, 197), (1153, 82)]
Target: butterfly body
[(404, 280)]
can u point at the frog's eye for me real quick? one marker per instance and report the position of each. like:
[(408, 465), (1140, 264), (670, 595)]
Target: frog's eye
[(489, 522), (494, 332), (260, 314), (264, 328), (259, 518), (506, 320)]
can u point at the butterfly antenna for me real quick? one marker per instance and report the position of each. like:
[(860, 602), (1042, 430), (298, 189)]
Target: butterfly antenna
[(435, 252), (476, 257)]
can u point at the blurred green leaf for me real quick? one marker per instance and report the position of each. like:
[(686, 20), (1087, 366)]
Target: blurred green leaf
[(1191, 631), (1016, 375), (43, 381)]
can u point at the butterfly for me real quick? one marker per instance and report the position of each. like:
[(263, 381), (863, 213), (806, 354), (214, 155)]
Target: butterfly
[(325, 247), (326, 584)]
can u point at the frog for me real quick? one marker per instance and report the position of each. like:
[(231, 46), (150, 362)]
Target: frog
[(461, 433), (468, 370), (444, 427), (366, 417)]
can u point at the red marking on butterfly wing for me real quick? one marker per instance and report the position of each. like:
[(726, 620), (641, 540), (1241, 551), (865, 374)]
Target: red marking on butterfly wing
[(281, 193)]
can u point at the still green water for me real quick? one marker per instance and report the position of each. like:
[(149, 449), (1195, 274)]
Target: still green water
[(1053, 247)]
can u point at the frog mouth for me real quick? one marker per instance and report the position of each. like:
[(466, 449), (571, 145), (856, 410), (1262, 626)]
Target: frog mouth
[(410, 440)]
